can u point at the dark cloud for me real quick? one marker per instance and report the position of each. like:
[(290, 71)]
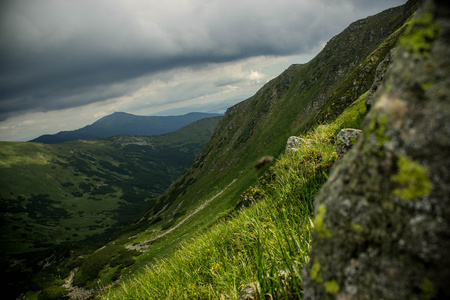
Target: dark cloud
[(61, 54)]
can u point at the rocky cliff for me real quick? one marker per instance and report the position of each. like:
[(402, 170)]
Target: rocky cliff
[(382, 226)]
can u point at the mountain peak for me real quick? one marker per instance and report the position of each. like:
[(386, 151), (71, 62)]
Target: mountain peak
[(119, 123)]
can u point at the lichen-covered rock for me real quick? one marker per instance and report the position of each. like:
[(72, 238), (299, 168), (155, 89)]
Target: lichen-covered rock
[(382, 223), (249, 292), (294, 142), (345, 140), (379, 76)]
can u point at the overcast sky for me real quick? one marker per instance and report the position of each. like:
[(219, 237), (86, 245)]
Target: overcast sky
[(65, 64)]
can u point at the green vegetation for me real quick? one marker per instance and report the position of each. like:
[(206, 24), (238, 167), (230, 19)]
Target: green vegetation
[(413, 179), (54, 195), (267, 243), (422, 31), (331, 286), (198, 240)]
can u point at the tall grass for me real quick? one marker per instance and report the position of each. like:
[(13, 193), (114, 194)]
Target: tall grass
[(266, 244), (271, 237)]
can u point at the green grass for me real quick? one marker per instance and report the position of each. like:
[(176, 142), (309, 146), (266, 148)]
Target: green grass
[(202, 244), (267, 243), (270, 236), (66, 192), (73, 196)]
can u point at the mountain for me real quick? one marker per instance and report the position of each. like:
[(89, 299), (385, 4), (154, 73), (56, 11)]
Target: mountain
[(53, 196), (211, 190), (120, 123), (374, 227), (302, 100), (290, 104)]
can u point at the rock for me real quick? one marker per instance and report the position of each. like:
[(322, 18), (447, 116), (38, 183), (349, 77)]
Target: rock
[(345, 139), (379, 76), (295, 142), (382, 220), (250, 196), (249, 292)]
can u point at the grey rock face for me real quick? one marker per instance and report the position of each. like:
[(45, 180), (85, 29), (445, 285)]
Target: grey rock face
[(345, 140), (382, 221)]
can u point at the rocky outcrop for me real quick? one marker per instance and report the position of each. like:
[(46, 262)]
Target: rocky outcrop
[(345, 140), (295, 142), (379, 76), (382, 220)]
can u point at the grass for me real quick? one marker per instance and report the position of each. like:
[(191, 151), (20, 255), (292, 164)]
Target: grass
[(266, 244), (220, 262), (66, 200), (254, 128), (201, 245), (69, 191)]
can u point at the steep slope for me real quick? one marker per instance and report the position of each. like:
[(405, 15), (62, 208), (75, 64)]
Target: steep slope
[(55, 195), (386, 207), (286, 106), (290, 104), (266, 244), (120, 123), (304, 95)]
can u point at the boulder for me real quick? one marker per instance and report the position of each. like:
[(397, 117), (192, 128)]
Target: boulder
[(250, 292), (345, 140), (295, 142), (382, 220)]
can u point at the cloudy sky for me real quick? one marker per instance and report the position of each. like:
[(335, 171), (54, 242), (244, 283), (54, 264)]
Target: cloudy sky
[(65, 64)]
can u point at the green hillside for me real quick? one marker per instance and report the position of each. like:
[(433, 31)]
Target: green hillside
[(260, 126), (198, 241), (267, 242), (63, 193)]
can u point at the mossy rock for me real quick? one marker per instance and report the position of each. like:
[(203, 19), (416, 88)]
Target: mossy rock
[(386, 205)]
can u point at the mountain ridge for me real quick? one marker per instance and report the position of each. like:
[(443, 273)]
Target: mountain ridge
[(119, 123), (259, 126), (302, 96)]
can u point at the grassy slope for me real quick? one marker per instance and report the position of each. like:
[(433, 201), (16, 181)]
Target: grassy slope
[(63, 193), (256, 243), (260, 126), (211, 189)]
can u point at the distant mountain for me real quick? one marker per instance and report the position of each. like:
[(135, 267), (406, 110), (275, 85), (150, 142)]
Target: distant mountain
[(120, 123)]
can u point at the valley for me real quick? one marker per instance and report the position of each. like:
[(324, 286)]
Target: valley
[(58, 195)]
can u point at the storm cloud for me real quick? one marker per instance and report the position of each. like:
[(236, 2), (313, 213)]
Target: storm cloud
[(58, 54)]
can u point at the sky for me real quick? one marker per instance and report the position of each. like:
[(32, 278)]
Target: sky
[(65, 64)]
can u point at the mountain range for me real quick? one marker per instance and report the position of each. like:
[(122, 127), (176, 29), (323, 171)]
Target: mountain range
[(244, 158), (120, 123)]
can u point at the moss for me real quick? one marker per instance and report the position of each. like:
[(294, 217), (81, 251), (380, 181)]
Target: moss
[(420, 34), (356, 226), (331, 286), (427, 85), (319, 225), (379, 132), (412, 178), (315, 271), (378, 127), (428, 289)]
